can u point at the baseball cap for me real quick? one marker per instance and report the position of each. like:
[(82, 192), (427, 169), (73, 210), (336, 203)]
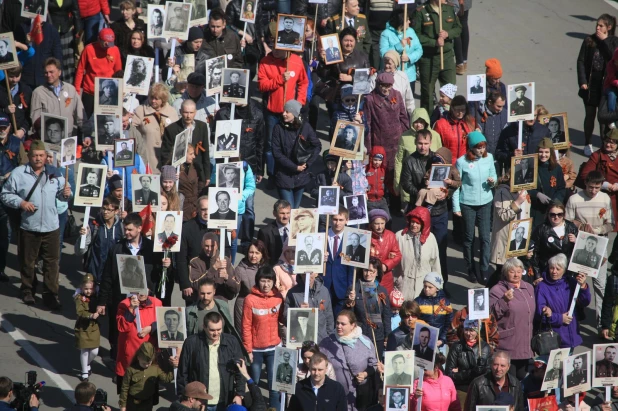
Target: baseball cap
[(4, 121), (197, 390), (107, 35)]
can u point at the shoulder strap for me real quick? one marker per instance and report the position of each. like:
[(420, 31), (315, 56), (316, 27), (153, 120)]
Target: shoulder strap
[(36, 183)]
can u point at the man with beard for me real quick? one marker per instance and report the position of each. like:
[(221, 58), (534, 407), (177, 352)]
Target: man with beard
[(108, 133), (109, 94), (522, 104), (138, 73)]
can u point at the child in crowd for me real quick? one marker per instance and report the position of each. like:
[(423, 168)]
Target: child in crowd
[(87, 333), (188, 185), (169, 177), (447, 93), (436, 309), (376, 178), (427, 197)]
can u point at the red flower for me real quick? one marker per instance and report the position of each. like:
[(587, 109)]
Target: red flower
[(170, 242), (602, 212)]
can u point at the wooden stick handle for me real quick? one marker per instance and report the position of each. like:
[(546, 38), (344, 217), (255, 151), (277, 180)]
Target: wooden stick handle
[(8, 91), (405, 30), (441, 47), (315, 31)]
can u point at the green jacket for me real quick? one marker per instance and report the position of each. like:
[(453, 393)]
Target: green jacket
[(407, 146), (139, 386), (426, 24)]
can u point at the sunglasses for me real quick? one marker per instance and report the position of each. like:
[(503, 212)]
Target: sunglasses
[(556, 215), (409, 316)]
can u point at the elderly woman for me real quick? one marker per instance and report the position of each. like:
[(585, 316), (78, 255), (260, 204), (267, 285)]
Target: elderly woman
[(550, 185), (353, 357), (245, 271), (420, 253), (151, 119), (512, 303), (391, 61), (553, 297), (469, 357), (410, 314), (384, 246), (438, 392)]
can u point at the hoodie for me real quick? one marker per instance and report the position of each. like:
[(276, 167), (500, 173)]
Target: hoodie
[(610, 73), (376, 177)]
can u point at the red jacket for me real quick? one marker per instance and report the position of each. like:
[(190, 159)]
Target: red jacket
[(386, 249), (376, 177), (96, 62), (128, 340), (261, 316), (88, 8), (270, 80), (454, 135)]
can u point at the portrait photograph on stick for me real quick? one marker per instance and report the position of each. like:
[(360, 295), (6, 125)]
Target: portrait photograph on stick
[(230, 175), (132, 274), (588, 254), (168, 224), (8, 53), (107, 95), (476, 87), (68, 153), (214, 75), (478, 304), (361, 84), (54, 130), (346, 138), (424, 344), (171, 326), (605, 365), (302, 326), (124, 152), (518, 240), (576, 376), (439, 173), (356, 247), (181, 147), (524, 171), (248, 9), (331, 48), (286, 364), (156, 17), (137, 74), (146, 191), (357, 209), (235, 86), (309, 256), (397, 398), (223, 207), (558, 126), (521, 102), (199, 13), (399, 368), (227, 138), (328, 200), (176, 20), (107, 128), (553, 371), (290, 32), (303, 221), (91, 185)]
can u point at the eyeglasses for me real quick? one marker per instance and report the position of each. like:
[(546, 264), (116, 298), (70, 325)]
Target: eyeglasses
[(349, 100), (556, 215), (109, 210)]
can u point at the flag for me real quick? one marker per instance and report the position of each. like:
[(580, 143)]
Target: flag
[(36, 34), (146, 215)]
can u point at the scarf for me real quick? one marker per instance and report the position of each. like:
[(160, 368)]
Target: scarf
[(355, 335)]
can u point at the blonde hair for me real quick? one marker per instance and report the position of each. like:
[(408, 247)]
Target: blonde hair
[(160, 92), (540, 110)]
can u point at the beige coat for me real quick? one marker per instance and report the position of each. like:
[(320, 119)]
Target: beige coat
[(68, 105), (408, 276), (505, 211), (146, 123)]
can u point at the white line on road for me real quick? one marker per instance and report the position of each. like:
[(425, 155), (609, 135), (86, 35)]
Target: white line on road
[(51, 372), (612, 3)]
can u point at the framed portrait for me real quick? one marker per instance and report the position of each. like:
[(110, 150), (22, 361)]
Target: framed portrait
[(553, 372), (186, 67), (286, 363), (32, 8), (398, 368), (604, 365), (439, 172), (558, 126), (156, 17), (107, 95), (124, 152), (302, 326), (361, 83), (168, 224), (524, 171), (177, 20), (346, 138), (230, 175), (68, 151), (303, 221), (425, 343), (576, 376), (223, 207), (199, 12), (137, 74), (8, 53), (235, 86), (107, 128), (332, 48), (146, 191), (478, 303), (132, 274), (397, 398), (476, 87), (227, 138), (309, 256), (214, 75), (54, 130), (181, 148), (521, 102), (357, 209), (171, 326), (91, 189), (328, 200), (248, 8), (520, 232), (588, 254), (290, 32), (356, 247)]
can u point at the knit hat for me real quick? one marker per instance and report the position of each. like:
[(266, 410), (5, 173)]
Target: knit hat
[(293, 107), (494, 68), (168, 173), (378, 213), (197, 390), (394, 56), (346, 90), (146, 351), (107, 35), (396, 299), (195, 33), (475, 138), (385, 78), (435, 279), (546, 143), (504, 398), (449, 90), (115, 182), (37, 145)]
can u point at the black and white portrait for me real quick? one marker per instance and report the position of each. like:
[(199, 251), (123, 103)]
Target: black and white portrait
[(285, 365), (156, 17), (248, 9), (346, 138), (397, 398), (332, 49), (558, 126), (588, 254), (476, 87), (227, 138), (137, 74), (132, 274), (524, 172), (107, 95), (361, 83), (302, 326), (91, 184), (223, 207), (518, 240), (214, 75), (146, 191), (424, 344), (8, 54), (399, 368), (168, 224), (521, 102), (290, 32), (124, 152), (181, 146), (68, 153), (328, 200), (235, 86), (310, 252), (357, 246), (553, 372), (357, 209), (605, 365), (177, 20), (199, 13), (577, 373), (478, 304), (171, 326), (108, 127), (30, 9), (229, 175), (54, 131), (438, 174), (303, 221)]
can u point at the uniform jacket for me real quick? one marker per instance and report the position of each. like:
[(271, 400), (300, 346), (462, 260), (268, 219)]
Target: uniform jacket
[(319, 298), (96, 61), (363, 34), (454, 134), (142, 384), (200, 141), (227, 44), (390, 39), (145, 121), (438, 394), (87, 333), (481, 392), (426, 23), (386, 248), (547, 244), (475, 190), (467, 361), (262, 314), (436, 311), (68, 104), (270, 80), (331, 396), (283, 142)]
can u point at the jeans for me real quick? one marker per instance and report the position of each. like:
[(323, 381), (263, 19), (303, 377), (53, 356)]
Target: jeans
[(260, 358), (293, 196), (439, 228), (611, 98), (92, 26), (463, 41), (62, 221), (271, 120), (481, 216)]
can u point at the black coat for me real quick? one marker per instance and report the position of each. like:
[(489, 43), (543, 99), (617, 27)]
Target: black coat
[(22, 111), (194, 365), (413, 171), (274, 244), (544, 248), (123, 35), (284, 139), (481, 392), (200, 135), (467, 361), (607, 309), (228, 43), (531, 137), (397, 337), (585, 73), (331, 396), (65, 17)]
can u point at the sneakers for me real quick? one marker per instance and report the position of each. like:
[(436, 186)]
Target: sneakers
[(460, 69), (27, 298), (51, 301), (588, 150)]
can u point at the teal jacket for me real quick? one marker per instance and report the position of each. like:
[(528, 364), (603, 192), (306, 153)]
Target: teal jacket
[(474, 190), (390, 39)]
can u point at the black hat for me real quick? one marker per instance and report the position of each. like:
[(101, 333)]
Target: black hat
[(523, 88), (115, 182), (195, 33), (197, 79)]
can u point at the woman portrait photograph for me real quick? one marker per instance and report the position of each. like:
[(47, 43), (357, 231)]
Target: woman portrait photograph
[(138, 74)]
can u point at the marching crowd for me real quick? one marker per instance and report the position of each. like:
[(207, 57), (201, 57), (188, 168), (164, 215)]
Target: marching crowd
[(236, 311)]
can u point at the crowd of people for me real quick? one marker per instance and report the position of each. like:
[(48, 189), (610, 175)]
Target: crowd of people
[(236, 314)]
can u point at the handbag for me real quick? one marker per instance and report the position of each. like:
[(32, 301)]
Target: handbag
[(302, 149), (545, 340), (71, 229)]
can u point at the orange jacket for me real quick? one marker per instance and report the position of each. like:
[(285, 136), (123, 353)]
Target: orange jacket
[(270, 80), (96, 62), (262, 314)]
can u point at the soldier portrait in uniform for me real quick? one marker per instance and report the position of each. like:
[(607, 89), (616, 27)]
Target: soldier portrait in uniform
[(439, 173), (286, 362), (302, 326), (156, 16), (214, 75), (137, 74), (132, 274), (521, 102), (605, 365), (476, 87), (8, 55), (108, 128), (558, 126), (328, 200), (553, 372), (290, 32), (303, 221), (308, 253), (361, 83), (146, 189), (227, 138), (177, 19), (68, 153), (357, 209), (124, 153), (332, 48), (199, 13), (346, 139), (398, 367), (284, 369), (588, 253), (107, 92), (90, 184), (577, 373), (181, 146), (524, 171), (478, 304), (227, 141), (235, 86), (171, 326)]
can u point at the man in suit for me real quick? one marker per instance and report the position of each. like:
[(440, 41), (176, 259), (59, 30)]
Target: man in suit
[(288, 37), (90, 189), (172, 322), (223, 204), (276, 234), (422, 349), (578, 375), (332, 52), (124, 154), (5, 55), (353, 18), (227, 141), (522, 104), (337, 277), (168, 226), (354, 250), (234, 89), (145, 195), (477, 89), (68, 152), (607, 366), (399, 376), (524, 171), (556, 371), (519, 243), (588, 256)]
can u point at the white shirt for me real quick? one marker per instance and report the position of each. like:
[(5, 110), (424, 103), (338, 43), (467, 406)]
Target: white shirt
[(331, 240)]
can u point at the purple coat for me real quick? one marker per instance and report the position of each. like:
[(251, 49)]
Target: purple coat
[(514, 318), (557, 296)]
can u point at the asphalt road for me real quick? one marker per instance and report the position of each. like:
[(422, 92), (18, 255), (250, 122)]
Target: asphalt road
[(536, 41)]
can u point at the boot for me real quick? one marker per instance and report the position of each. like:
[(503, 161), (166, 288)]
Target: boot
[(460, 70), (465, 66)]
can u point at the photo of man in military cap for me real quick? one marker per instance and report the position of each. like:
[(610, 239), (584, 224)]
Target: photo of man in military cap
[(108, 129), (91, 183), (108, 92), (522, 105)]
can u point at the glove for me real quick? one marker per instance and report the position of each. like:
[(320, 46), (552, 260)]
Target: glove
[(543, 198)]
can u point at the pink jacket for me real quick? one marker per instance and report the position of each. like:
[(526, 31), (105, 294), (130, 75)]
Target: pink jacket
[(438, 395), (610, 73)]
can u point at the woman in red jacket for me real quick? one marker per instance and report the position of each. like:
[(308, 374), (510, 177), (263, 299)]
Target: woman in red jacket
[(262, 314), (384, 246), (455, 127)]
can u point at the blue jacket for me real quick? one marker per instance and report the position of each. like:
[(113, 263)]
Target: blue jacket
[(23, 56), (338, 277), (13, 145), (491, 125), (63, 206), (474, 190), (391, 40), (435, 316), (248, 188)]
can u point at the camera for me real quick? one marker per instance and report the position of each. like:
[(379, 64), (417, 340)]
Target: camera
[(23, 392), (100, 400)]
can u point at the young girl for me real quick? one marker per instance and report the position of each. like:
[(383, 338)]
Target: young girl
[(436, 309), (87, 334), (139, 385), (188, 185), (175, 200)]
